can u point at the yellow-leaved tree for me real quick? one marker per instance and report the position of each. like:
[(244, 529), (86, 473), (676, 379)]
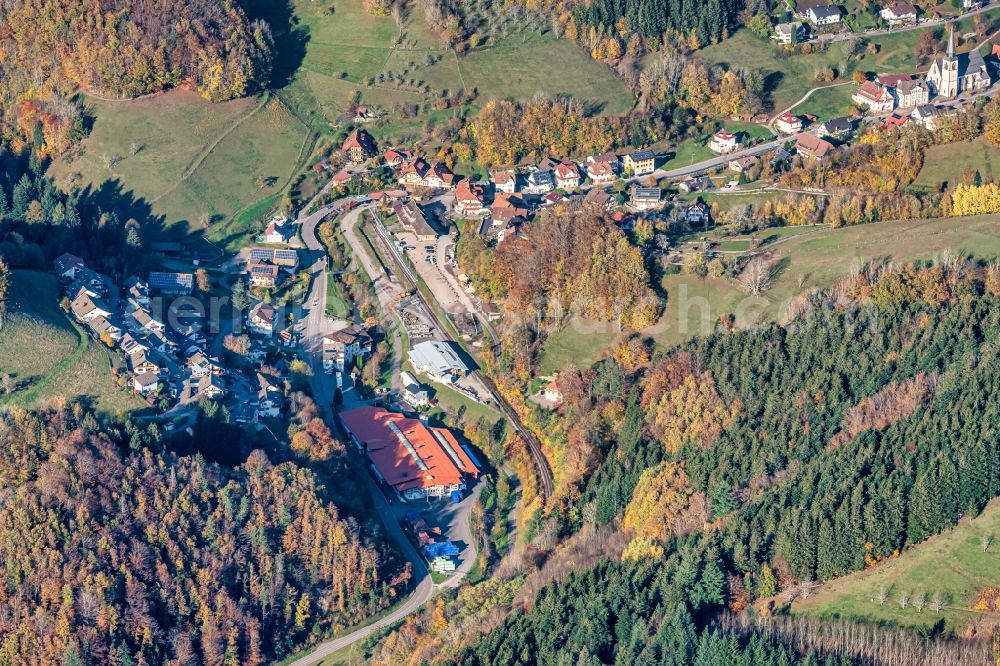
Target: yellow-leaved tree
[(660, 497)]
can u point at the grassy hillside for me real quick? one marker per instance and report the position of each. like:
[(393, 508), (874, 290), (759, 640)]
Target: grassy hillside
[(195, 161), (47, 356), (808, 258), (953, 564), (947, 163)]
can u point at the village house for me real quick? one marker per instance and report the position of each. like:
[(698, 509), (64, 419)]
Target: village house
[(893, 122), (411, 217), (210, 386), (510, 229), (470, 198), (86, 307), (788, 123), (695, 184), (413, 392), (824, 14), (551, 391), (201, 366), (874, 96), (695, 213), (175, 284), (362, 114), (907, 90), (418, 173), (954, 74), (743, 164), (269, 398), (506, 207), (788, 33), (899, 13), (67, 265), (539, 182), (723, 142), (277, 257), (836, 127), (141, 363), (340, 348), (926, 115), (145, 384), (146, 320), (601, 173), (137, 292), (280, 230), (567, 175), (608, 158), (263, 275), (130, 345), (504, 180), (102, 326), (261, 319), (640, 162), (439, 177), (646, 198), (396, 157), (359, 146), (813, 147)]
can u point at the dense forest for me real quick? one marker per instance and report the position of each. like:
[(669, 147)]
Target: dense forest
[(117, 554), (51, 48), (701, 21)]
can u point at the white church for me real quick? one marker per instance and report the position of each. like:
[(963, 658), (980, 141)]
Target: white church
[(954, 74)]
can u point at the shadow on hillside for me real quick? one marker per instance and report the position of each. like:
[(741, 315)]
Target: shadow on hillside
[(111, 197), (290, 38)]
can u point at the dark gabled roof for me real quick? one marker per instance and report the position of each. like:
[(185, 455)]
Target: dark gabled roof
[(825, 11), (641, 155), (841, 124)]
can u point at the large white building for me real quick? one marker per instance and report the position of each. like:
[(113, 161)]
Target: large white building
[(954, 74), (437, 360)]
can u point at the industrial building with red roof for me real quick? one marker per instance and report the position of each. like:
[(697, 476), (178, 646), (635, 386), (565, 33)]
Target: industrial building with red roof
[(415, 459)]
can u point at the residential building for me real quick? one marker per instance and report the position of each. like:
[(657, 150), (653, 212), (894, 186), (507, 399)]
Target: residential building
[(873, 96), (67, 265), (723, 142), (210, 386), (788, 33), (824, 14), (646, 198), (601, 173), (695, 184), (899, 13), (608, 158), (280, 230), (177, 284), (743, 164), (145, 384), (411, 217), (142, 363), (261, 318), (439, 177), (926, 115), (506, 207), (640, 162), (510, 229), (418, 173), (86, 307), (954, 74), (200, 365), (413, 392), (415, 460), (813, 147), (269, 398), (263, 275), (103, 326), (130, 345), (551, 391), (567, 175), (282, 258), (137, 292), (359, 146), (340, 348), (438, 360), (895, 121), (539, 182), (788, 123), (907, 90), (694, 213), (504, 180), (470, 198), (395, 157), (836, 127)]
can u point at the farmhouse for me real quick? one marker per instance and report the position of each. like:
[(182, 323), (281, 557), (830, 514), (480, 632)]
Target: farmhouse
[(813, 147), (415, 460), (418, 173), (437, 360), (723, 142), (954, 74), (874, 96), (359, 146)]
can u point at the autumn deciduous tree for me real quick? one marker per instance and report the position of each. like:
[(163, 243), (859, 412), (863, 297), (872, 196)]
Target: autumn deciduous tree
[(659, 498)]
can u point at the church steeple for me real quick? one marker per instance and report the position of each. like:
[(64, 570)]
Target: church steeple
[(951, 43)]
